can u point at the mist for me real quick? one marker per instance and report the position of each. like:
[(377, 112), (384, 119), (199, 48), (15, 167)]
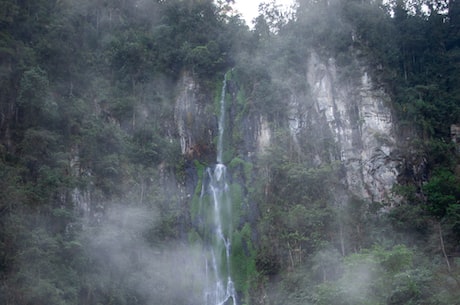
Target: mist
[(165, 152), (123, 259)]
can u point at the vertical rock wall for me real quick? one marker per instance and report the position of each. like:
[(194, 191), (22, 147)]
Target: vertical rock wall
[(342, 119), (196, 123), (359, 119)]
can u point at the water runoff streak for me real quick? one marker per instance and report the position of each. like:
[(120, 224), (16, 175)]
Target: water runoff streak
[(220, 288)]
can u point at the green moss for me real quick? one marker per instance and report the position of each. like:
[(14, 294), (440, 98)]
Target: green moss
[(242, 261), (241, 97), (236, 193), (229, 151), (200, 168), (194, 237), (241, 109), (247, 167)]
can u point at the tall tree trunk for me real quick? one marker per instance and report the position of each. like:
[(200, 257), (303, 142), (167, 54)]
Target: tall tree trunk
[(443, 249), (342, 241)]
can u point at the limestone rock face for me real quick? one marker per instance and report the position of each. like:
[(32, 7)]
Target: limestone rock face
[(195, 123), (264, 136), (342, 118), (353, 114)]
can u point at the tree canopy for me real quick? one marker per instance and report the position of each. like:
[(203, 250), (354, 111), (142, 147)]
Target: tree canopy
[(87, 124)]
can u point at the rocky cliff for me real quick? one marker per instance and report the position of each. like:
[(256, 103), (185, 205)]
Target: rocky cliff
[(341, 118), (194, 118), (359, 120)]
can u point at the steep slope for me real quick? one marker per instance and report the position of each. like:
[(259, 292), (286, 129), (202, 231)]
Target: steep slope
[(342, 175)]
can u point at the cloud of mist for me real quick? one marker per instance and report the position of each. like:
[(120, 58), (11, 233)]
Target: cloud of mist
[(126, 262), (358, 281)]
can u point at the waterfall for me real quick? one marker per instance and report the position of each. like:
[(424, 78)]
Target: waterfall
[(221, 121), (217, 213)]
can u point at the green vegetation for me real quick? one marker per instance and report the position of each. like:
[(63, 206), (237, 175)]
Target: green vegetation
[(87, 124), (243, 262)]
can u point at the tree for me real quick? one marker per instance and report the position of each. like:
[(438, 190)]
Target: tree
[(443, 198)]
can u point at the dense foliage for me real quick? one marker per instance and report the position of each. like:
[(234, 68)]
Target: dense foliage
[(87, 125)]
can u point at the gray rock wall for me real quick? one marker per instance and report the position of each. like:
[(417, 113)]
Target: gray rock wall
[(194, 118), (340, 119), (360, 121)]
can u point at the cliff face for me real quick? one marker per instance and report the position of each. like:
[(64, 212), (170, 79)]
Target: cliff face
[(194, 118), (340, 119), (356, 114)]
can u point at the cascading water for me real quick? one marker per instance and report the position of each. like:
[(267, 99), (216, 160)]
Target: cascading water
[(220, 288)]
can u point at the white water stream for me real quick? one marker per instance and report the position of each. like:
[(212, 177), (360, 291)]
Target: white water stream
[(220, 288)]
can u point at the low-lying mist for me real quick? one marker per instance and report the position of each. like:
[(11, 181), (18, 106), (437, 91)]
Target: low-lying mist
[(124, 259)]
